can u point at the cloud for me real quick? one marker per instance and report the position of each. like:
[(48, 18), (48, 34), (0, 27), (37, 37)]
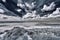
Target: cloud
[(56, 13), (27, 15), (21, 5), (30, 6), (19, 10), (2, 11), (48, 8), (4, 0), (31, 15)]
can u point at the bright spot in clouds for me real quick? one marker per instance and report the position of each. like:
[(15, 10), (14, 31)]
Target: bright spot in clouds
[(2, 11)]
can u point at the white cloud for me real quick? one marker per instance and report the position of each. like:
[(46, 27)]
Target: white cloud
[(30, 6), (19, 10), (48, 8), (55, 13), (4, 0), (31, 15), (21, 5), (27, 15), (2, 11)]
